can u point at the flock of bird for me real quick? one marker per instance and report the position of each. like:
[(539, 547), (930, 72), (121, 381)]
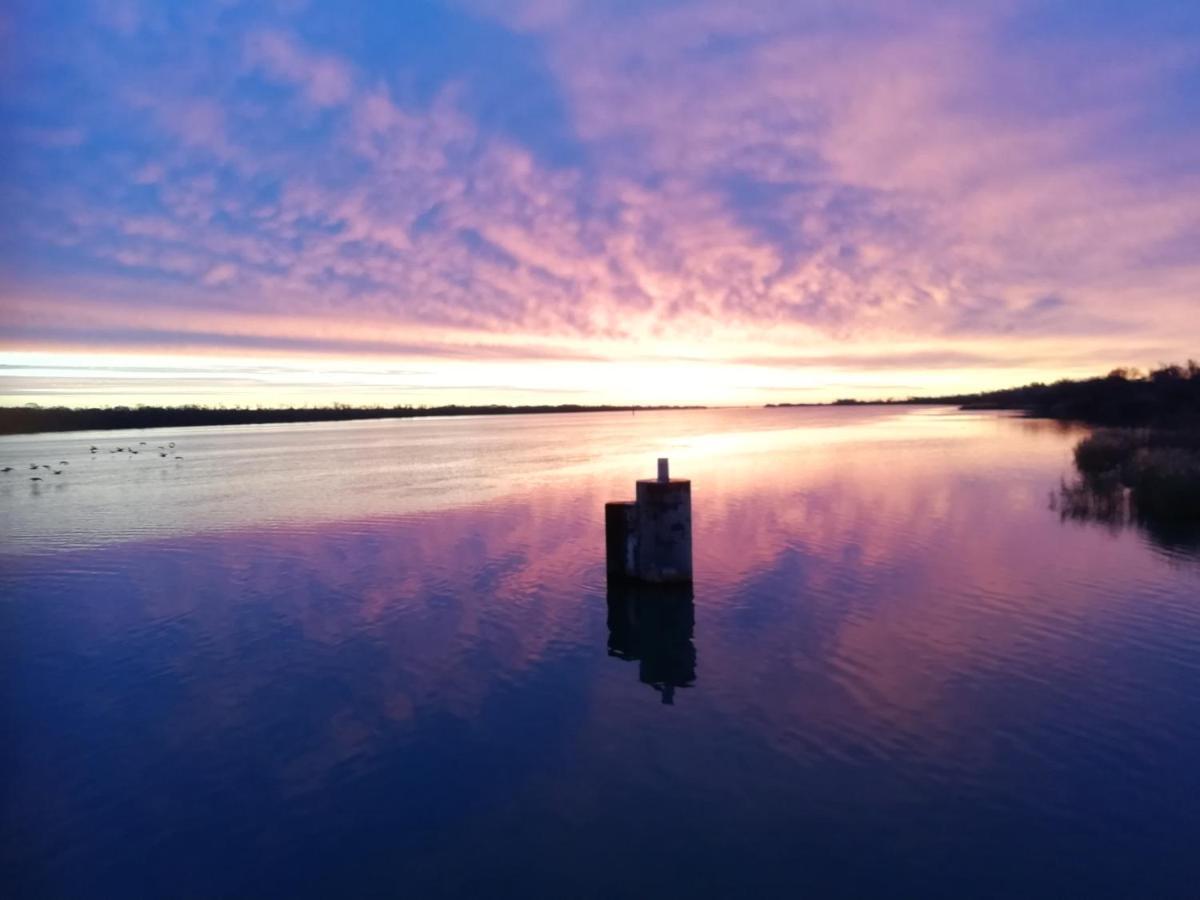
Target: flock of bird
[(165, 451)]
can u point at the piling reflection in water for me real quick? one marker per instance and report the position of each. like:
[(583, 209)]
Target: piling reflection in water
[(652, 625)]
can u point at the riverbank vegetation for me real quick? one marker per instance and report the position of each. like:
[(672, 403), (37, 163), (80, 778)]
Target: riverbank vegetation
[(1144, 463), (1155, 472)]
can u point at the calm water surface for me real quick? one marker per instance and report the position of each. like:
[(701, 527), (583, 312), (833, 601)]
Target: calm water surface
[(381, 659)]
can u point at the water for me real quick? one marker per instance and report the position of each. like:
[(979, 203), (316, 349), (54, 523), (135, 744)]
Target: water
[(380, 659)]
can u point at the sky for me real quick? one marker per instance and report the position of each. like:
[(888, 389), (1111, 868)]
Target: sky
[(549, 201)]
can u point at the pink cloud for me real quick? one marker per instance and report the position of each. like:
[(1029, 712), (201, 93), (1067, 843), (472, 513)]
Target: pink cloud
[(324, 79), (763, 174)]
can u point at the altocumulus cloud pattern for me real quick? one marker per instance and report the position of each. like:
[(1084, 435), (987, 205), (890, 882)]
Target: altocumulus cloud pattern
[(731, 185)]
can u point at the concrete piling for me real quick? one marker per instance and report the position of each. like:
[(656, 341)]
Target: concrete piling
[(650, 539), (620, 537)]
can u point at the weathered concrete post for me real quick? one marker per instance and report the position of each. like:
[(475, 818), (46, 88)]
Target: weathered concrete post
[(650, 539), (620, 538), (664, 527)]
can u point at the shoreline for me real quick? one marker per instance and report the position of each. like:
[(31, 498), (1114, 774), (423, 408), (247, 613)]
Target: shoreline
[(54, 420)]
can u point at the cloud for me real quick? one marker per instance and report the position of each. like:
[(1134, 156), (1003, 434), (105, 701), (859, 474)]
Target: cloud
[(693, 176), (324, 79)]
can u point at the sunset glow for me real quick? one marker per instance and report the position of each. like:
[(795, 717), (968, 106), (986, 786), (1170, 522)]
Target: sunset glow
[(550, 201)]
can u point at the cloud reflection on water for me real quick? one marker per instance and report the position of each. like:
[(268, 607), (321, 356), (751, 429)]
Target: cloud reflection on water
[(879, 626)]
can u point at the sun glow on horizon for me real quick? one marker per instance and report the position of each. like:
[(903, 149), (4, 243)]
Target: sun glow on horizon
[(110, 379)]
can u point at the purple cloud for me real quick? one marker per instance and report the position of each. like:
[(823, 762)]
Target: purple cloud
[(776, 177)]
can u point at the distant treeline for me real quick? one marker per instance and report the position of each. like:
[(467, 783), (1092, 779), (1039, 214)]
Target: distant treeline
[(32, 419), (1158, 467), (1168, 396)]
